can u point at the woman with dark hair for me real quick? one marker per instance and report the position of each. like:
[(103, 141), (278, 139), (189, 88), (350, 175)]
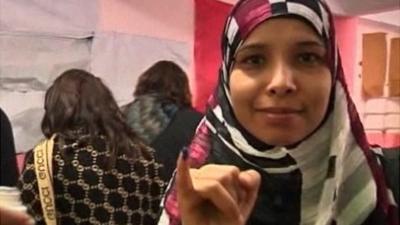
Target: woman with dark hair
[(168, 79), (102, 173), (162, 113)]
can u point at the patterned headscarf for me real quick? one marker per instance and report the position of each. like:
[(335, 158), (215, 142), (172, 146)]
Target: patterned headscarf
[(339, 179)]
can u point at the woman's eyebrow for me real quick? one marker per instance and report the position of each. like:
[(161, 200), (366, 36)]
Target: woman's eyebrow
[(251, 47), (311, 44), (262, 46)]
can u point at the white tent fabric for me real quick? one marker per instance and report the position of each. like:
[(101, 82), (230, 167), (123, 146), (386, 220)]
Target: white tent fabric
[(28, 65), (67, 18), (38, 40)]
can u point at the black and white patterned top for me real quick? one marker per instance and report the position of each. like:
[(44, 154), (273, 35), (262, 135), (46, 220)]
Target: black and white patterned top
[(88, 192)]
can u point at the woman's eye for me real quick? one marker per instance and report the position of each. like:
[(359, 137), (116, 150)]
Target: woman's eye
[(251, 61), (310, 58)]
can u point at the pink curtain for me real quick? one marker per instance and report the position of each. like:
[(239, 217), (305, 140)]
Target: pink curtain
[(209, 21)]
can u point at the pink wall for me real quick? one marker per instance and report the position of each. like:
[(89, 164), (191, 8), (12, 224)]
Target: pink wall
[(384, 139), (346, 34)]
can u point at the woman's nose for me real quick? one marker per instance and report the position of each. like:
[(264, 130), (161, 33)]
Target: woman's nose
[(281, 81)]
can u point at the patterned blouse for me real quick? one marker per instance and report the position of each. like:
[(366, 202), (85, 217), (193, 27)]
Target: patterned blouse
[(87, 192)]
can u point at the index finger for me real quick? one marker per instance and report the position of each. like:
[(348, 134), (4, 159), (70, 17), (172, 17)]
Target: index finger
[(183, 179)]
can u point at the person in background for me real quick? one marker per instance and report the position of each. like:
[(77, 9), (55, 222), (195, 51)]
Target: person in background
[(162, 113), (282, 142), (102, 172), (8, 167)]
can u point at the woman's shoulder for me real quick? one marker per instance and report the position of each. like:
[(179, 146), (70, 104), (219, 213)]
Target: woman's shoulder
[(192, 111)]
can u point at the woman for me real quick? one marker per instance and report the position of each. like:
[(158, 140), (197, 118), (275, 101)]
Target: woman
[(162, 113), (281, 132), (102, 173)]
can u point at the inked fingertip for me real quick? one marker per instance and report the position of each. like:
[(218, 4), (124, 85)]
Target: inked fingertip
[(185, 153)]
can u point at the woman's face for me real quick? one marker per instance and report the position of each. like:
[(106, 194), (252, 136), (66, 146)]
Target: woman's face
[(280, 83)]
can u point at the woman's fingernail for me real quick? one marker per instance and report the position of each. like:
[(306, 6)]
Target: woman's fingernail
[(185, 153)]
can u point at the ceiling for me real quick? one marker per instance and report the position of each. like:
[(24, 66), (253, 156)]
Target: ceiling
[(382, 11), (388, 17), (362, 7)]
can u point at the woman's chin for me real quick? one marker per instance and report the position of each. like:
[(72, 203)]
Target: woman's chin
[(283, 140)]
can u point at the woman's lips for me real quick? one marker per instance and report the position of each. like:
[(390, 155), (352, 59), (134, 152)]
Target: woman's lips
[(279, 115), (279, 110)]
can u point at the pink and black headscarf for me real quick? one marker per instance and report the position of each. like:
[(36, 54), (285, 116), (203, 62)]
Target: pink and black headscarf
[(331, 177)]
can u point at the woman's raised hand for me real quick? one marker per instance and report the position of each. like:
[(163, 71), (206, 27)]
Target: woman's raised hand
[(215, 194)]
